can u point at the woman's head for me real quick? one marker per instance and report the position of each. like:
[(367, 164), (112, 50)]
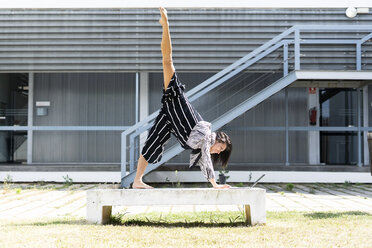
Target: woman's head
[(221, 149)]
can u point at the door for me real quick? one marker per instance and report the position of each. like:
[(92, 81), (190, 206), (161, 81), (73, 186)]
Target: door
[(338, 108), (13, 112)]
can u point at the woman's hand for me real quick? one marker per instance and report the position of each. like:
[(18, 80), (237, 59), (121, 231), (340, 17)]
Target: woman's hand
[(221, 186), (218, 186)]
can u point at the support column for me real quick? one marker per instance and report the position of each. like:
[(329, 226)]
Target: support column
[(30, 118), (365, 124), (359, 133), (286, 128), (297, 50), (143, 102), (314, 139), (137, 97), (136, 149)]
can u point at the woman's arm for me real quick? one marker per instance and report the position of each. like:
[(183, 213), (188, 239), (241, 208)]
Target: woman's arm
[(219, 186), (166, 48), (206, 165), (199, 139)]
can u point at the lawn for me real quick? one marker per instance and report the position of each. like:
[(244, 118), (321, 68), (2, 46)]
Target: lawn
[(200, 229)]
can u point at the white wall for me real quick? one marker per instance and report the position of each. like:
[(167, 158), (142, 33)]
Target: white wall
[(314, 139)]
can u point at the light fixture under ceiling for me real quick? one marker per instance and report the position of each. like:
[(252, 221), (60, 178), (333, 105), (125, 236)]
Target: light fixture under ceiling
[(351, 12)]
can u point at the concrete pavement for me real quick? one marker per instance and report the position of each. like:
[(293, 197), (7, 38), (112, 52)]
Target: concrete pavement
[(27, 201)]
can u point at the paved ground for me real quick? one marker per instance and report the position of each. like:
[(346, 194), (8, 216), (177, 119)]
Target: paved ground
[(23, 201)]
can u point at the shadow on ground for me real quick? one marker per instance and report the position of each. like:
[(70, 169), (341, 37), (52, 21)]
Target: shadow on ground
[(329, 215), (51, 222), (187, 219), (149, 223), (185, 224)]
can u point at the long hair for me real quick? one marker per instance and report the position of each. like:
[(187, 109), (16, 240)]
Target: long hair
[(223, 158)]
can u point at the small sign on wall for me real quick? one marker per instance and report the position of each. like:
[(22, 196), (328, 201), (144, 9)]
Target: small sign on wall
[(41, 111), (43, 104), (312, 90)]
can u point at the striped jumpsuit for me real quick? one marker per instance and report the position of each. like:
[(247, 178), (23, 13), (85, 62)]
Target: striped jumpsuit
[(176, 116)]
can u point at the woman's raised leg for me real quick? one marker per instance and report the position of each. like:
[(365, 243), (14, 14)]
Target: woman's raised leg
[(166, 48), (168, 70)]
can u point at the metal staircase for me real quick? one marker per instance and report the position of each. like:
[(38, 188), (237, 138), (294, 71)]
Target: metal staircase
[(288, 46)]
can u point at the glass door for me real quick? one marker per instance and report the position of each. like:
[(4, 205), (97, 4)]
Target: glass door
[(13, 112), (338, 108)]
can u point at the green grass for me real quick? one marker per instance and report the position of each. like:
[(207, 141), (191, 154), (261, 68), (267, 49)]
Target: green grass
[(201, 229), (289, 186)]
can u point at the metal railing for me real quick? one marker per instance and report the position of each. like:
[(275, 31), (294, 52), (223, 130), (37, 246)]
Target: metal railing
[(292, 36)]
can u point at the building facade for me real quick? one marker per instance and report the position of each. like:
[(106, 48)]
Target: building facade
[(72, 80)]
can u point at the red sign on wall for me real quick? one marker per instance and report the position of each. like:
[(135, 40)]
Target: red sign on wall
[(312, 90)]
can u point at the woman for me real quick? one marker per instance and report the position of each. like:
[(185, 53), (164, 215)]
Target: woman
[(179, 117)]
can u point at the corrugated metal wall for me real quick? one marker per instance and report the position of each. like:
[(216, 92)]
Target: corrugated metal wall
[(129, 39), (204, 41), (83, 99)]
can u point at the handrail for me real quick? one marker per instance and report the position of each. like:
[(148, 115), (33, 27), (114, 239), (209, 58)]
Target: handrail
[(250, 59), (333, 27), (367, 37)]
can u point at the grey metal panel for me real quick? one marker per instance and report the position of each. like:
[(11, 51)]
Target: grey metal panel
[(269, 146), (83, 99), (129, 39), (369, 105), (76, 147), (86, 99)]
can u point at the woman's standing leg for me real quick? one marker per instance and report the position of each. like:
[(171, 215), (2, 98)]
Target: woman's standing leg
[(168, 71), (141, 167)]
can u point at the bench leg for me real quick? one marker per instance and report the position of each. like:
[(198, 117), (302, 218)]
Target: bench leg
[(106, 214), (98, 214), (247, 214), (254, 214)]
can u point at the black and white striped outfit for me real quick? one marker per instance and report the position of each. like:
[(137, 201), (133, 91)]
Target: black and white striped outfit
[(176, 116)]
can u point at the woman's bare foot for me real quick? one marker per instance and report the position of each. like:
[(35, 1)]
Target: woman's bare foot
[(164, 17), (141, 185)]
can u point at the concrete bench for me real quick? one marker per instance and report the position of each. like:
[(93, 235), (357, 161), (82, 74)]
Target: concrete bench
[(100, 201)]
